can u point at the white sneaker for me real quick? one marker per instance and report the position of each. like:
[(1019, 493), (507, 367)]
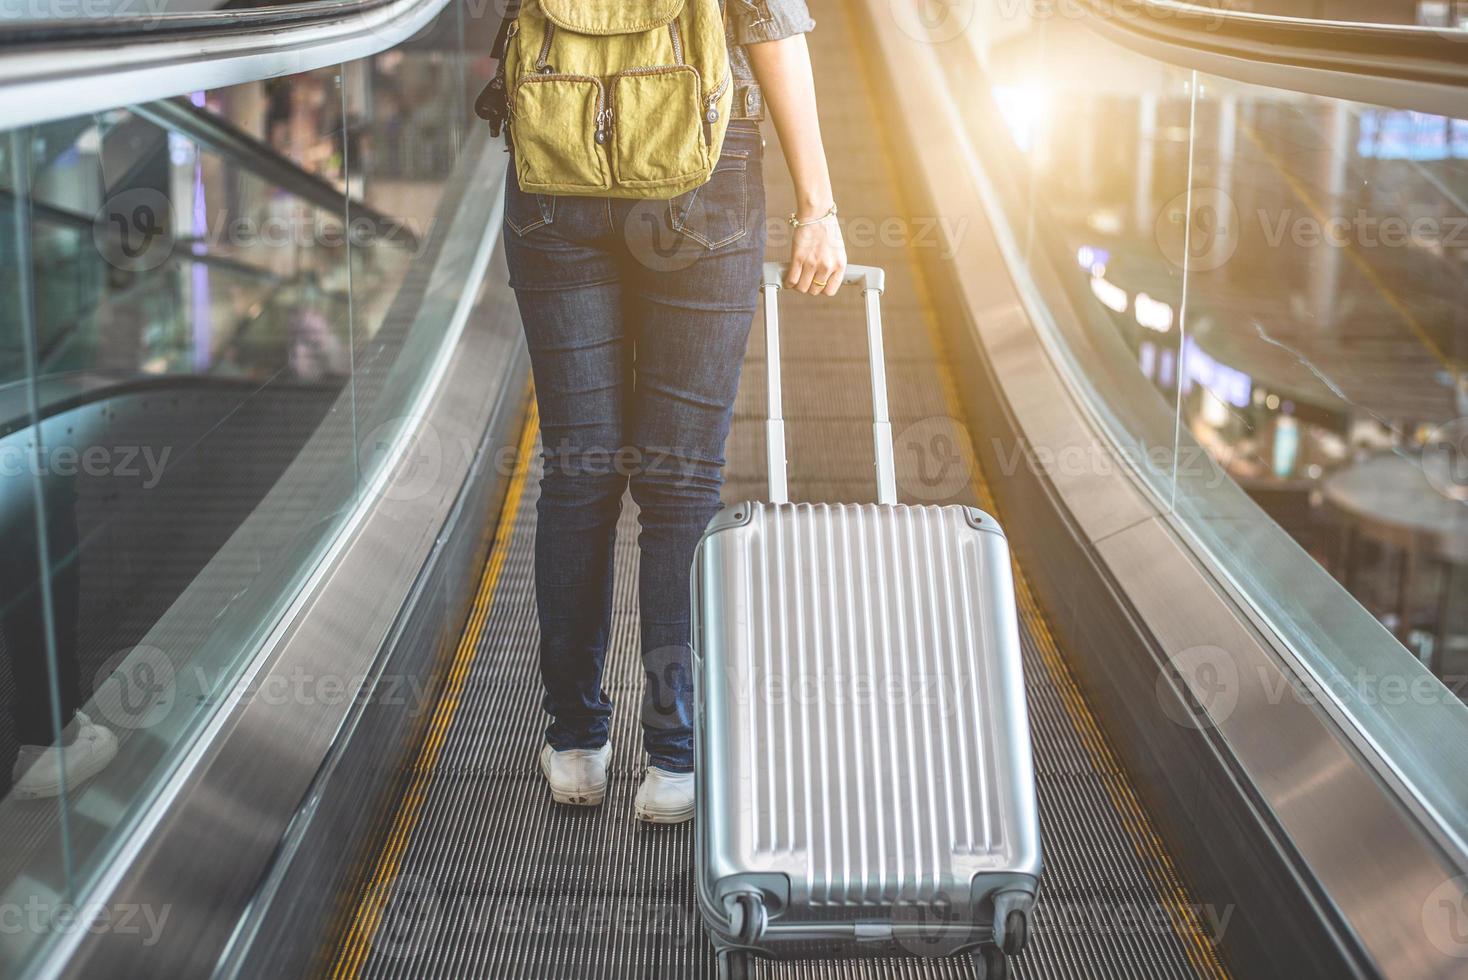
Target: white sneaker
[(577, 776), (38, 768), (665, 797)]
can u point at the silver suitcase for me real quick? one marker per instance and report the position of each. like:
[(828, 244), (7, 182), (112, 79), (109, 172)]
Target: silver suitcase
[(865, 784)]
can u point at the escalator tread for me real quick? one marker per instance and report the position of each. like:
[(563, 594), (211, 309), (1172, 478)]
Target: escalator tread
[(496, 881)]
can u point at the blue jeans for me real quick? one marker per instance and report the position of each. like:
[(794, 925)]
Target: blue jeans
[(636, 314)]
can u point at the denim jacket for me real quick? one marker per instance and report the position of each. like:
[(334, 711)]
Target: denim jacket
[(752, 21)]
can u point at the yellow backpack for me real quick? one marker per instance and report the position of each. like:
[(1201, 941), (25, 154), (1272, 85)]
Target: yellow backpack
[(615, 98)]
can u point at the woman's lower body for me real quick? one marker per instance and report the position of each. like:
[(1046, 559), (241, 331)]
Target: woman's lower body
[(636, 314)]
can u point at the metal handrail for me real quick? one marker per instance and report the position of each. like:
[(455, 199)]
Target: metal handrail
[(1405, 65), (118, 29), (62, 69)]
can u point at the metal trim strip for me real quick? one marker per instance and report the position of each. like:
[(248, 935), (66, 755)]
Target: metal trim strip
[(1394, 65)]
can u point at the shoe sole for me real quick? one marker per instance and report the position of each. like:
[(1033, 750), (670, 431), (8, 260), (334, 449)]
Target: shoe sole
[(590, 798), (663, 816)]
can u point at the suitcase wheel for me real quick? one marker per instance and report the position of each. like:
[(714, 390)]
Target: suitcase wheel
[(747, 916), (736, 964), (1016, 932), (990, 963)]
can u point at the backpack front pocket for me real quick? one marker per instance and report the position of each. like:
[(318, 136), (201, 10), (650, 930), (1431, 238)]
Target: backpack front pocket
[(666, 147), (554, 127)]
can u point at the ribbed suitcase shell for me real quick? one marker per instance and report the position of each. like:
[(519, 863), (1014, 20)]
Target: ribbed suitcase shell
[(863, 747)]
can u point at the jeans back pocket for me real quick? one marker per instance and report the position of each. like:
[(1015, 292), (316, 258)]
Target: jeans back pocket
[(526, 212), (718, 212)]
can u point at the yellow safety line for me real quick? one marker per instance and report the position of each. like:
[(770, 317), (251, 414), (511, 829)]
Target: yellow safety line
[(1302, 191), (375, 896), (1144, 839)]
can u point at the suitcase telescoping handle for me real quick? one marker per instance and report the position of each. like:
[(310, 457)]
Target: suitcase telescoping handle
[(871, 280)]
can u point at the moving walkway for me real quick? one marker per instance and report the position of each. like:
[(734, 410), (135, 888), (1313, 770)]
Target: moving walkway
[(599, 895), (402, 830)]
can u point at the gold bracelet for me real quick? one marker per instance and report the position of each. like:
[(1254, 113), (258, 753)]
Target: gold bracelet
[(797, 223)]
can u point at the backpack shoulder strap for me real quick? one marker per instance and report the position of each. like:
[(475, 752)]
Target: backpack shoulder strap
[(492, 104), (512, 10)]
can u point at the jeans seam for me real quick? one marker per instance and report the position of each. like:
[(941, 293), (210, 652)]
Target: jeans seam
[(673, 212), (522, 231), (545, 207)]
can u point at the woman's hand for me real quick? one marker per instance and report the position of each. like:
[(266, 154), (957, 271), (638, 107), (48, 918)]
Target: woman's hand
[(817, 258), (817, 254)]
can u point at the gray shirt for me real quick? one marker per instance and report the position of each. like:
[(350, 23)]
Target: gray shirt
[(750, 22)]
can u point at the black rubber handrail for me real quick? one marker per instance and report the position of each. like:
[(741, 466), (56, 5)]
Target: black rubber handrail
[(140, 384), (218, 134), (182, 247), (1399, 52)]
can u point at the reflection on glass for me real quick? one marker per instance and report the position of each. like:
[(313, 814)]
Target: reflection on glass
[(38, 669), (1289, 273), (190, 319), (223, 293), (1341, 305), (406, 126)]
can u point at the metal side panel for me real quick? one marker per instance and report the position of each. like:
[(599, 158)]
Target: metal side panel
[(865, 745)]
